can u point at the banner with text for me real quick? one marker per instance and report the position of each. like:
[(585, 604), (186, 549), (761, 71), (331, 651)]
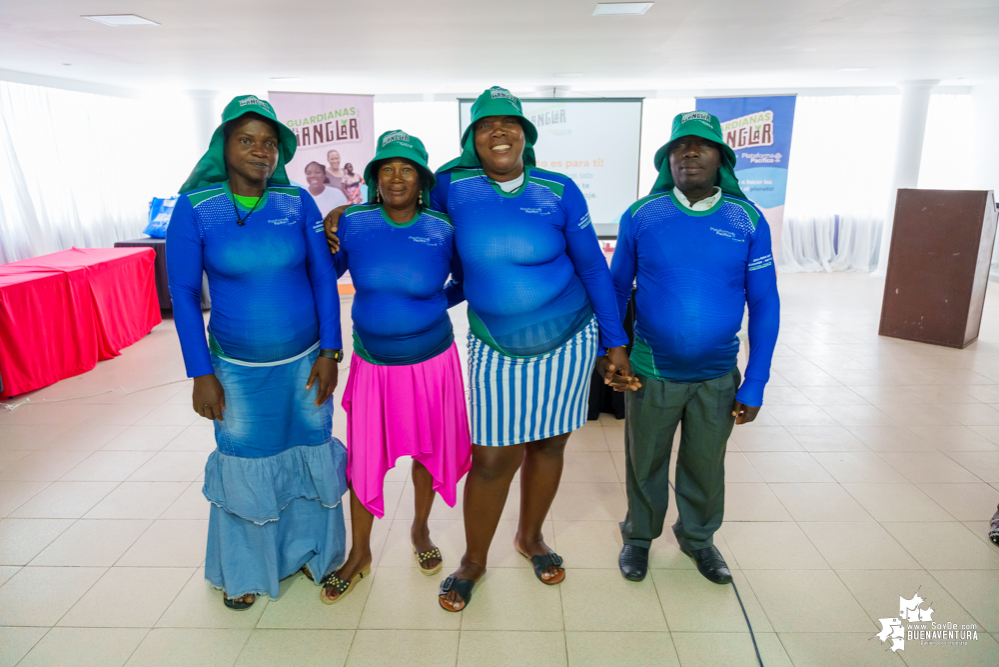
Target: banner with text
[(759, 131), (336, 140), (595, 142)]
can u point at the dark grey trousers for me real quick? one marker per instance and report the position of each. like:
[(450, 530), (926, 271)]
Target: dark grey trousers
[(703, 411)]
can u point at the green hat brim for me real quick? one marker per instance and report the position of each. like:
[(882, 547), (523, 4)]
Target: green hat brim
[(695, 130), (725, 178), (501, 107), (401, 152), (211, 168), (483, 108)]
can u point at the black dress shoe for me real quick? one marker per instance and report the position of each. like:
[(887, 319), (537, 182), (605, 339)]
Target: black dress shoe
[(710, 563), (634, 562)]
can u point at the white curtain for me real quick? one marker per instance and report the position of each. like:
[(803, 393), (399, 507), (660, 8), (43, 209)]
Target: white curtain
[(79, 169), (842, 157)]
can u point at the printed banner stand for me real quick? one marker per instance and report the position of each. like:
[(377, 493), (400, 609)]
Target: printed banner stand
[(336, 140), (759, 131)]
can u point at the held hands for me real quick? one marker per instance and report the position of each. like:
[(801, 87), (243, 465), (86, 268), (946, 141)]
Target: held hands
[(615, 368), (744, 413), (324, 371), (330, 224), (208, 397)]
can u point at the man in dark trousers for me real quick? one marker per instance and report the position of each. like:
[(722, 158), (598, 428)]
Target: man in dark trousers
[(700, 251)]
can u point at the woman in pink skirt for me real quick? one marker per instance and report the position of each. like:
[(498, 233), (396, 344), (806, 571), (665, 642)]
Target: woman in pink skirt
[(404, 395)]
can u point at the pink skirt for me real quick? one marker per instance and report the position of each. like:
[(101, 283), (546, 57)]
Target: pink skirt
[(416, 410)]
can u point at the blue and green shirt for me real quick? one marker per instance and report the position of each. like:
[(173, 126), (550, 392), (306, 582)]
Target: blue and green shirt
[(534, 274), (696, 272), (272, 279), (399, 271)]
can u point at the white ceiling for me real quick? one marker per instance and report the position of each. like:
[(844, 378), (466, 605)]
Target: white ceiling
[(451, 46)]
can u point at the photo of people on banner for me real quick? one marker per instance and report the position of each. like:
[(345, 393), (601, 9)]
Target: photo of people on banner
[(335, 143)]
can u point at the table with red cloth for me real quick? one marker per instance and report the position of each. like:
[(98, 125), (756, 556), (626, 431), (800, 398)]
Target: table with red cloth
[(62, 313)]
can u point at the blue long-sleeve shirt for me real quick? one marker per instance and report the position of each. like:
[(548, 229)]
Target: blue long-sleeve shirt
[(696, 272), (400, 309), (534, 274), (272, 279)]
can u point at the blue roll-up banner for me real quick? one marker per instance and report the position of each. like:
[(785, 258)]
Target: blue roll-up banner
[(759, 131)]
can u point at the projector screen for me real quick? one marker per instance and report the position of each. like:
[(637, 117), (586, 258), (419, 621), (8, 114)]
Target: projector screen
[(593, 141)]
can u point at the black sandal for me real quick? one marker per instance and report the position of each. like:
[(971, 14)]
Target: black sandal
[(463, 587), (238, 606), (541, 564)]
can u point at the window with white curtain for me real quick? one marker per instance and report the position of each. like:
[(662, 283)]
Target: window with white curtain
[(79, 169), (842, 161), (940, 168)]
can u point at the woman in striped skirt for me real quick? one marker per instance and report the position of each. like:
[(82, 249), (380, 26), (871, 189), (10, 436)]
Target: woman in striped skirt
[(541, 309)]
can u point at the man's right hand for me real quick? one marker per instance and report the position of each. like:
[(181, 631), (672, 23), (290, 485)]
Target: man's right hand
[(208, 397), (330, 224)]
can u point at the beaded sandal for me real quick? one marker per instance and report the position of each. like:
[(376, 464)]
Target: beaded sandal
[(342, 586), (423, 556)]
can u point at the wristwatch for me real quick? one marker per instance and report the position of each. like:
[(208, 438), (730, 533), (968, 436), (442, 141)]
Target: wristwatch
[(335, 355)]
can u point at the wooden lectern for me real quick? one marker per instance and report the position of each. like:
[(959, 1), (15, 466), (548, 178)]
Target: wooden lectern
[(938, 266)]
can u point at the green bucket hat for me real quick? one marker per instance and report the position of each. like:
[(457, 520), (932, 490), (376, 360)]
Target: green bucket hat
[(211, 168), (398, 144), (704, 125), (495, 101)]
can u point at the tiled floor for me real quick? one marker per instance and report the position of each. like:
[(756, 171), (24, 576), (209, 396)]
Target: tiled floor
[(870, 474)]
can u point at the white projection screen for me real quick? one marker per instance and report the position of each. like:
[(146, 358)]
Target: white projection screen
[(594, 141)]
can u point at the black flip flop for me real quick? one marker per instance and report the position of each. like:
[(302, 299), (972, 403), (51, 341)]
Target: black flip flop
[(238, 606), (542, 562), (463, 587)]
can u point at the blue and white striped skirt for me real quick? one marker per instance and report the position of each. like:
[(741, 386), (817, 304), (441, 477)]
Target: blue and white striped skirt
[(523, 399)]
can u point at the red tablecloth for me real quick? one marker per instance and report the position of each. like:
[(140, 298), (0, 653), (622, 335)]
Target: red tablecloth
[(62, 313)]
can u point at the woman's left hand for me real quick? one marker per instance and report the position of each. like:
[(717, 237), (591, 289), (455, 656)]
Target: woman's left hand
[(326, 372)]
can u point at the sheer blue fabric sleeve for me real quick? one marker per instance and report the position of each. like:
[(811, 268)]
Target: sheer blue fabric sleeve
[(322, 275), (583, 249), (764, 315), (624, 264), (185, 266)]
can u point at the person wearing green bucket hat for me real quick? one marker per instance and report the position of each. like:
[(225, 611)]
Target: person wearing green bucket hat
[(405, 395), (267, 371), (701, 253), (541, 309)]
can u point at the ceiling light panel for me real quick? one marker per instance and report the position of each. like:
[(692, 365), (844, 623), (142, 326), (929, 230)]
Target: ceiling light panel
[(121, 20), (621, 8)]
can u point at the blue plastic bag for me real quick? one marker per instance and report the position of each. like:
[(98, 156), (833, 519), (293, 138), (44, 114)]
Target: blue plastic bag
[(160, 211)]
